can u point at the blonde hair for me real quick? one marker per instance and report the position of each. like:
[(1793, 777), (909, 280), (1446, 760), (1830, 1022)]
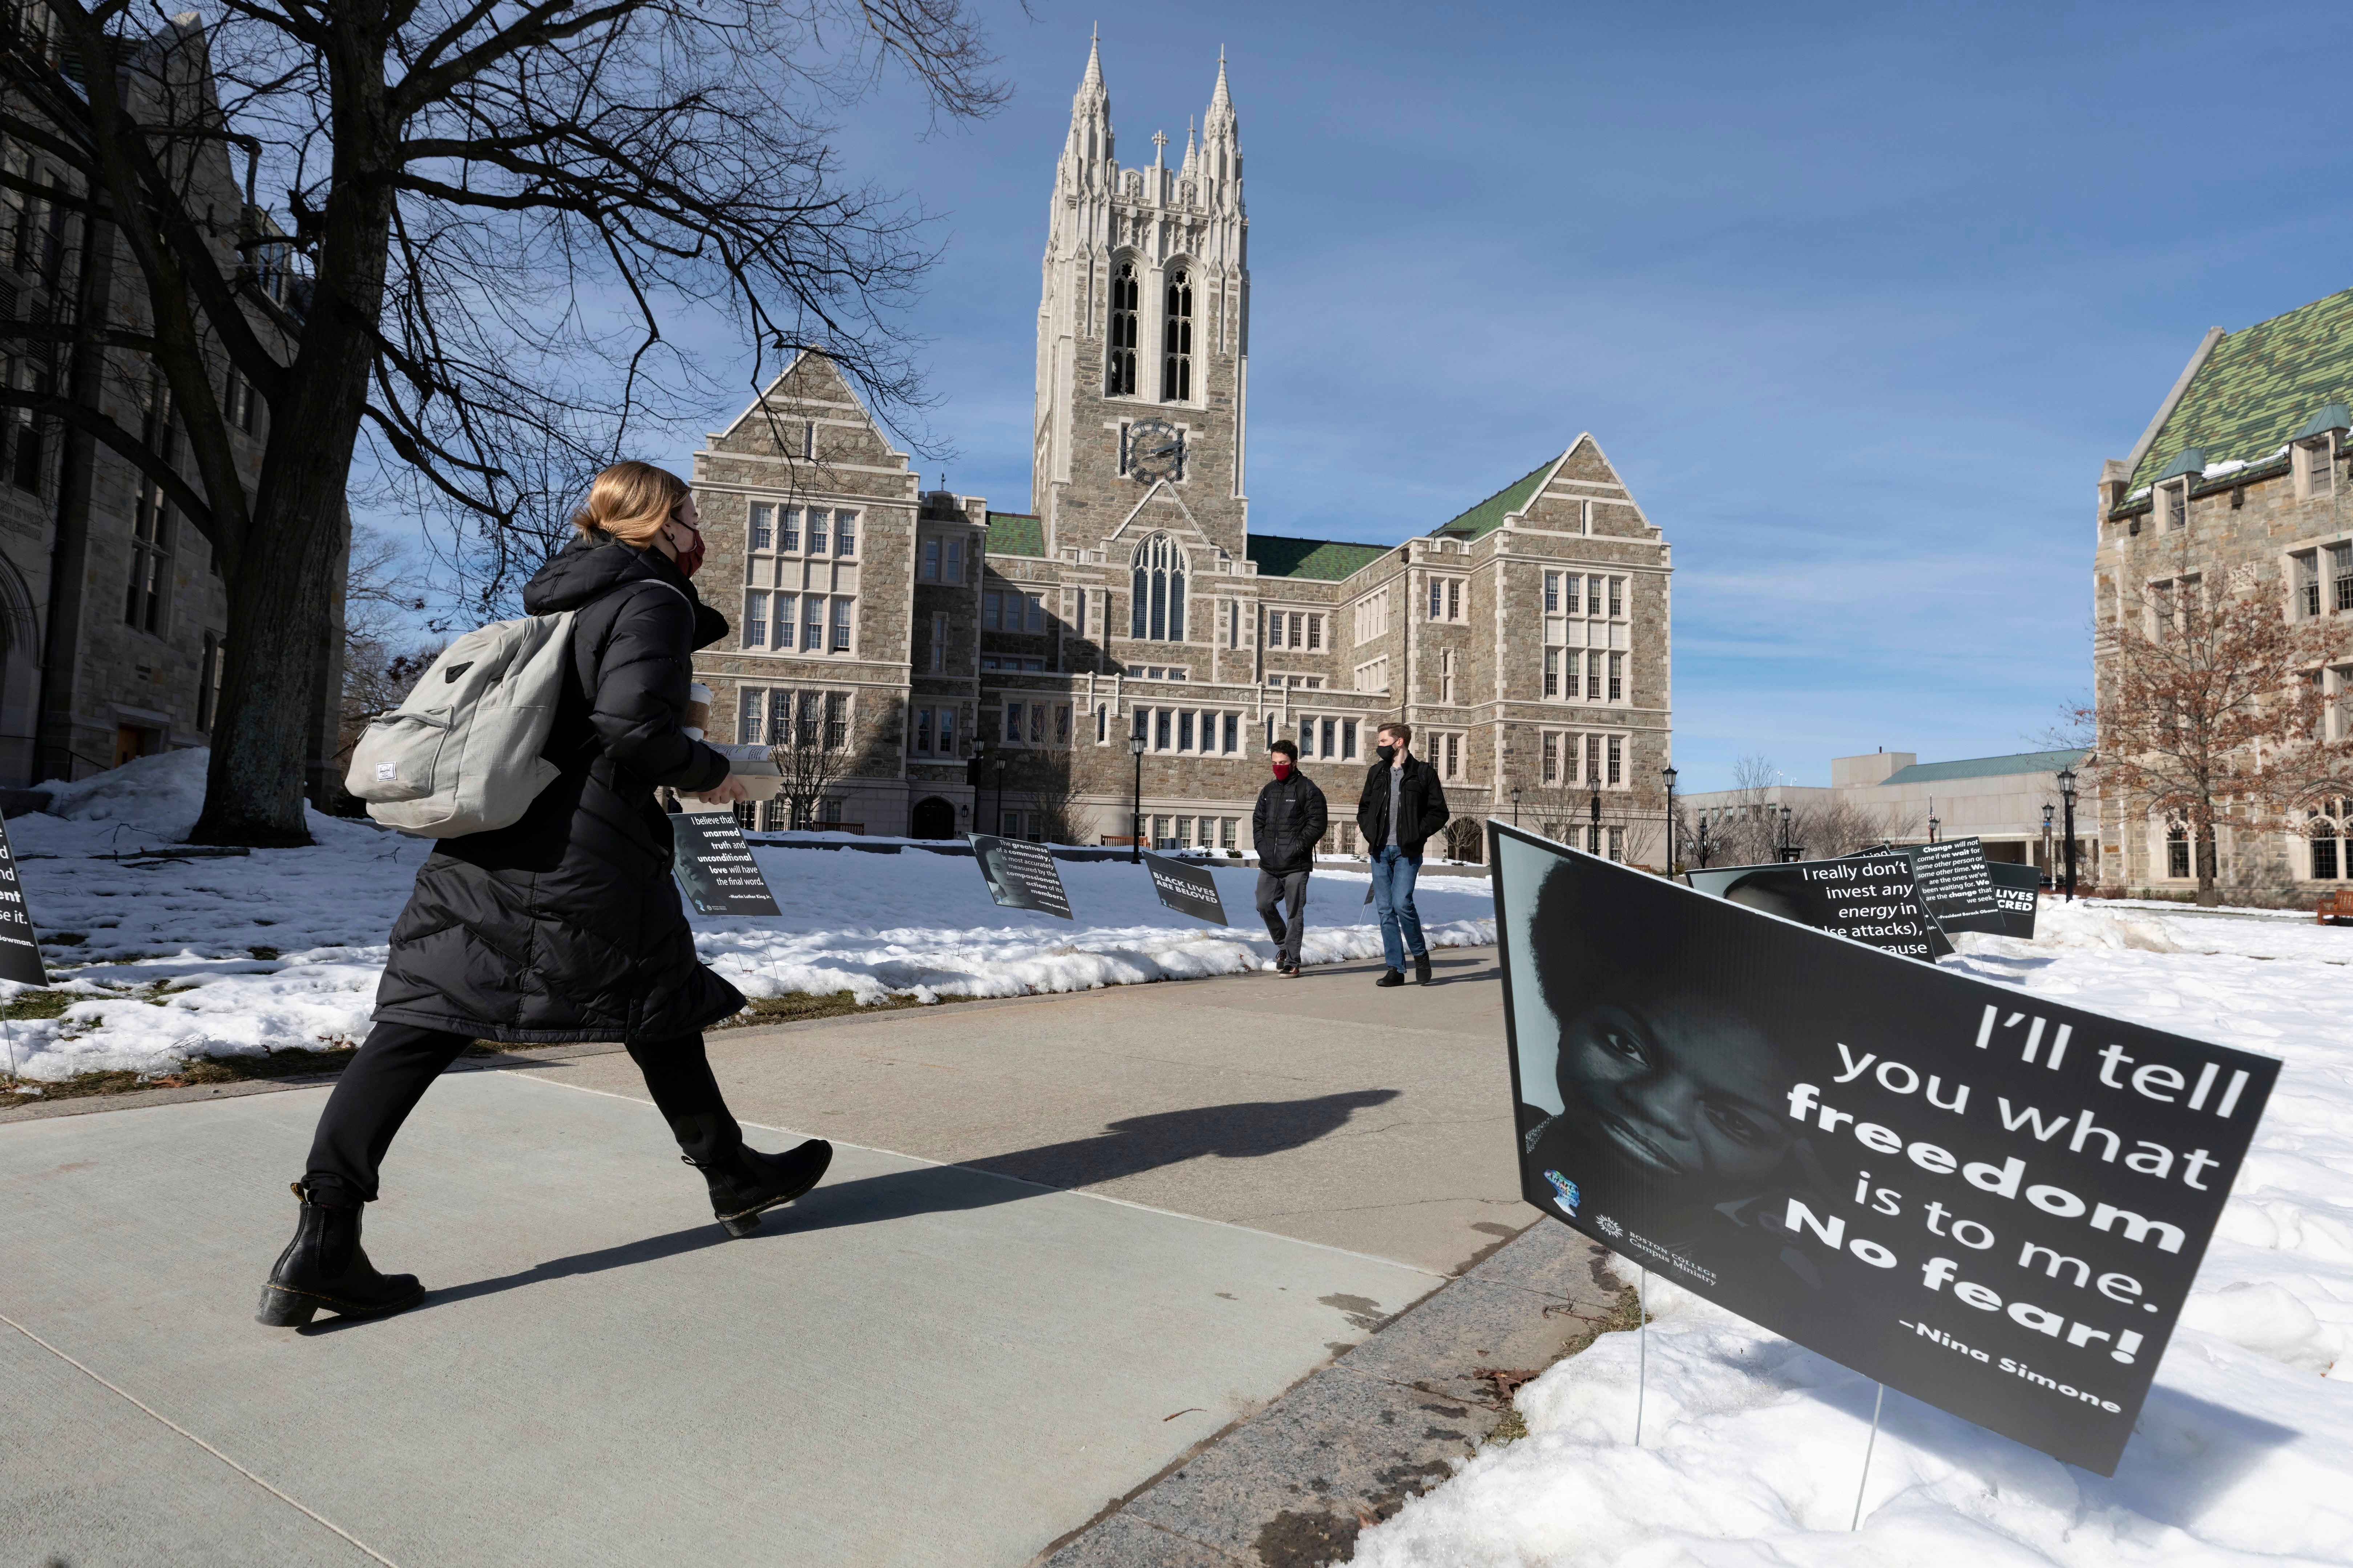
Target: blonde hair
[(630, 501)]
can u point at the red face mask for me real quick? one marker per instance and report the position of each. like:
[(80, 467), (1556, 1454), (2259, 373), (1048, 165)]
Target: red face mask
[(690, 560), (1282, 769)]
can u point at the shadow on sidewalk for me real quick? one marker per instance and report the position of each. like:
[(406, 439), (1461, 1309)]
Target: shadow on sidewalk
[(1245, 1131)]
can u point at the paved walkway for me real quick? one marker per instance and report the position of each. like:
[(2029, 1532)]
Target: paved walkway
[(1066, 1240)]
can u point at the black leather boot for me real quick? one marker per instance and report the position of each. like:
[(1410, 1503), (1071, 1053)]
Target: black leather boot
[(1421, 969), (746, 1184), (1390, 977), (325, 1265)]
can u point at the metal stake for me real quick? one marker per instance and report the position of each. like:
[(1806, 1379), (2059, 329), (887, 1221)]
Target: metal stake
[(1865, 1481), (1642, 1353)]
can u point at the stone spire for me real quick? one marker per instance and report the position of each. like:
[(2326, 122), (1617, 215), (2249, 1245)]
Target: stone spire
[(1091, 138), (1222, 148), (1185, 171)]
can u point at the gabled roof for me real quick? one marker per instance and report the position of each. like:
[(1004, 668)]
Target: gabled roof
[(2257, 388), (1315, 560), (1987, 767), (1489, 514), (1016, 533)]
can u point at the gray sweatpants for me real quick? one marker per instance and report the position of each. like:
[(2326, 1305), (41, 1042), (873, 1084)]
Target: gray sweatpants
[(1288, 892)]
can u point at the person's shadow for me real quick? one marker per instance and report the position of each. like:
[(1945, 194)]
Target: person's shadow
[(1248, 1130)]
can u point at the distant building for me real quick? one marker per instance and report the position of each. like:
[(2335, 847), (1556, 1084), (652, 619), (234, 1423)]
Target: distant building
[(1526, 641), (2238, 490), (1999, 800)]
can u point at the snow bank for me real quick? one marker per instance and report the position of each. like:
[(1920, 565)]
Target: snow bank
[(1752, 1447), (283, 948), (162, 795)]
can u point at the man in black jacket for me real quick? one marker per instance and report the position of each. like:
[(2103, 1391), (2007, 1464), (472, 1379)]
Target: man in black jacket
[(1286, 825), (1403, 804)]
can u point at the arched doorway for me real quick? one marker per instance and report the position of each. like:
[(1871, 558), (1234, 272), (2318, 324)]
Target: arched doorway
[(933, 818)]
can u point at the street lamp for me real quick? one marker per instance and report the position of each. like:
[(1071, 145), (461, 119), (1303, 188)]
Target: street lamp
[(1593, 844), (1136, 844), (1933, 825), (2046, 839), (2067, 832), (1786, 856), (1668, 774), (1516, 806)]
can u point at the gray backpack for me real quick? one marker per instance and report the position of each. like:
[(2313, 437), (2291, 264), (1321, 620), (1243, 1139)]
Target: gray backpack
[(460, 754)]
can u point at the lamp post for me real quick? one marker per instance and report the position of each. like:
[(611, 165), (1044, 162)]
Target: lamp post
[(2067, 831), (1593, 844), (1516, 806), (1668, 774), (1136, 844), (1001, 798), (1786, 855), (2046, 839), (1933, 824)]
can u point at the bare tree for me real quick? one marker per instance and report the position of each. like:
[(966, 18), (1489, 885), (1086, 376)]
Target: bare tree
[(1040, 779), (812, 750), (2211, 717), (385, 653), (496, 211)]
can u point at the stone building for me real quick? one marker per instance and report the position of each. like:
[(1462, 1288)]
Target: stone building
[(2238, 490), (113, 617), (1134, 599)]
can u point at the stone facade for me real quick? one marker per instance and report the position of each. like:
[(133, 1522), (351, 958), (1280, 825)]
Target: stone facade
[(112, 614), (2239, 486), (1133, 598)]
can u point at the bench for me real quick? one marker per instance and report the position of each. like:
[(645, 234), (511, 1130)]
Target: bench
[(2338, 905)]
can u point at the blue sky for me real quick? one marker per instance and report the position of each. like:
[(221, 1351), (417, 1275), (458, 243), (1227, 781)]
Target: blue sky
[(1856, 299)]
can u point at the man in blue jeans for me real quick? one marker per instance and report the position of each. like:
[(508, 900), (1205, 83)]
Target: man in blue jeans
[(1403, 804)]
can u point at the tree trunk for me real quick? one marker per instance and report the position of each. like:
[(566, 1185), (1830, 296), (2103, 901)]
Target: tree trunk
[(277, 616)]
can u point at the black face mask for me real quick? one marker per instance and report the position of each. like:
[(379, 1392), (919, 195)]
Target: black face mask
[(1386, 753)]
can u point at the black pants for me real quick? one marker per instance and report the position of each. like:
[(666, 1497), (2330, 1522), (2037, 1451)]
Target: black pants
[(399, 1062)]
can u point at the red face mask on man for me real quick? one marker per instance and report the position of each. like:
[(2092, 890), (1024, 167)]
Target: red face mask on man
[(1282, 768)]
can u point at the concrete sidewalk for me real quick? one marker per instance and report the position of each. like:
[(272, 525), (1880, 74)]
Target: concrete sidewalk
[(920, 1363)]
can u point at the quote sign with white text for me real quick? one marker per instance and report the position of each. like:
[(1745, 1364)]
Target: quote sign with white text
[(1975, 1194)]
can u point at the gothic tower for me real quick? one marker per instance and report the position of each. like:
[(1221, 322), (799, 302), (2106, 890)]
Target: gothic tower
[(1143, 338)]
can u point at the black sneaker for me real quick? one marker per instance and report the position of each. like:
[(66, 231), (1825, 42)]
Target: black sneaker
[(1390, 977)]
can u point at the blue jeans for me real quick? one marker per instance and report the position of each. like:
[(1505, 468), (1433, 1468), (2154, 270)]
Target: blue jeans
[(1393, 876)]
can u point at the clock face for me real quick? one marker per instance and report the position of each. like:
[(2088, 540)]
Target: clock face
[(1155, 450)]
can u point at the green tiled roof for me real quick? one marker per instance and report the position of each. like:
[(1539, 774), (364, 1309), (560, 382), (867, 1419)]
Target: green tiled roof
[(2259, 386), (1987, 767), (1016, 533), (1319, 560), (1489, 514)]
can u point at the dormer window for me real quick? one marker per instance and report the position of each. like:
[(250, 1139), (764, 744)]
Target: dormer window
[(2316, 464), (2173, 501)]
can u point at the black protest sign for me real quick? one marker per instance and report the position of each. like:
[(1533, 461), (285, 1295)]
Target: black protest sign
[(1870, 898), (1021, 875), (1955, 884), (715, 865), (20, 950), (2018, 890), (1984, 1198), (1188, 890)]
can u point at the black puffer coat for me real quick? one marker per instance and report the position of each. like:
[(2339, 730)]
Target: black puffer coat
[(1288, 822), (567, 926)]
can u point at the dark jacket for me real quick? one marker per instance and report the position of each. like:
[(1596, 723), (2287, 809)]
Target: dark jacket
[(1288, 822), (1421, 802), (566, 925)]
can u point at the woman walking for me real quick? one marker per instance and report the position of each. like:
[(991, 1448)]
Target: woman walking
[(565, 926)]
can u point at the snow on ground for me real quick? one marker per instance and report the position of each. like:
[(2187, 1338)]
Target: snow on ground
[(1752, 1447), (246, 954)]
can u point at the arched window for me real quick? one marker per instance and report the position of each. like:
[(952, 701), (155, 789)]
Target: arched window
[(1119, 364), (1176, 341), (2322, 830), (1159, 610)]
